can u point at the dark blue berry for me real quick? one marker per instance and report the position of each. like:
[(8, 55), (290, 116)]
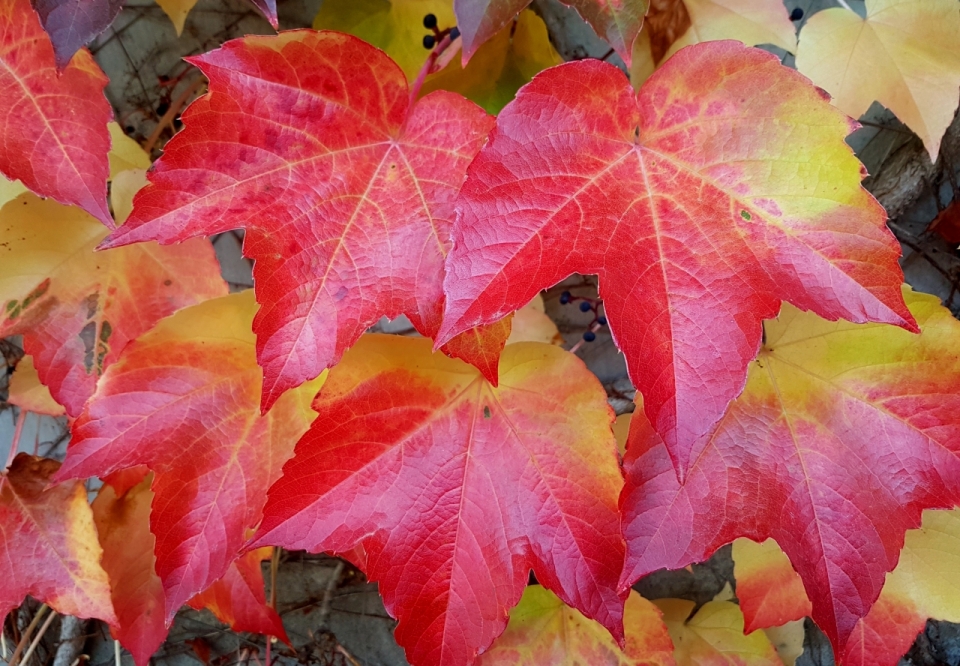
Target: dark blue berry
[(602, 320), (589, 336), (564, 298), (429, 41), (430, 21), (454, 33), (585, 306), (796, 14)]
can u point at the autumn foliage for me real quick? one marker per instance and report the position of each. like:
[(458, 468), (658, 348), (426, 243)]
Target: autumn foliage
[(794, 397)]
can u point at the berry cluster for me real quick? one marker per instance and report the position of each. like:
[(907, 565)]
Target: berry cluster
[(586, 305), (430, 23)]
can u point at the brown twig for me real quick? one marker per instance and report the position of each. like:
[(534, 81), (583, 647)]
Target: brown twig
[(14, 660), (175, 107)]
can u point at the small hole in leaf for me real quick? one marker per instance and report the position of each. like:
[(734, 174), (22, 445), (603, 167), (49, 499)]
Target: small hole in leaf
[(486, 412), (746, 215)]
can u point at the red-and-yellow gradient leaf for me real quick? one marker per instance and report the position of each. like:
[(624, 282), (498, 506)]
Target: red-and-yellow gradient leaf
[(616, 21), (842, 436), (54, 125), (48, 544), (770, 592), (721, 189), (452, 490), (714, 636), (309, 141), (183, 400), (925, 584), (543, 631), (903, 55), (76, 308), (238, 599)]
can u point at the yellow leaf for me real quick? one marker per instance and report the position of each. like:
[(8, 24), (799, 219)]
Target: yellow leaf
[(177, 10), (28, 393), (673, 24), (787, 640), (125, 185), (531, 324), (396, 27), (903, 55), (504, 63), (543, 630), (125, 153), (10, 190), (714, 636)]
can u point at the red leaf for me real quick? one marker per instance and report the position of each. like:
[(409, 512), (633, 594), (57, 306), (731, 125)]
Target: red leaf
[(451, 490), (48, 544), (183, 400), (55, 136), (77, 308), (842, 436), (308, 140), (701, 203), (238, 598), (947, 224), (72, 24), (616, 22)]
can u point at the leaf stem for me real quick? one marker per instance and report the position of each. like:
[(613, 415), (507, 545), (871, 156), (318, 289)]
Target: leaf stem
[(36, 641), (26, 634), (15, 444), (428, 66)]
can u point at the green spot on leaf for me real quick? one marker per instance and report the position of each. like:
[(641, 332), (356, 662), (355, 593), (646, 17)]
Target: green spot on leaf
[(486, 412), (746, 215)]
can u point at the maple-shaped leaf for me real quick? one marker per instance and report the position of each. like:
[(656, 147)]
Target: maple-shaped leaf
[(925, 584), (671, 25), (77, 308), (842, 436), (452, 489), (26, 391), (72, 24), (616, 22), (48, 543), (903, 55), (544, 631), (714, 636), (724, 187), (238, 599), (309, 140), (182, 400), (55, 137)]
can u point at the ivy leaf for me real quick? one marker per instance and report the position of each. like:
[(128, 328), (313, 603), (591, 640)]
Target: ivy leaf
[(309, 141), (26, 391), (122, 515), (64, 571), (714, 635), (903, 55), (77, 308), (616, 22), (925, 584), (543, 630), (452, 489), (71, 24), (501, 65), (842, 430), (182, 400), (671, 25), (238, 599), (55, 136), (724, 188), (396, 26)]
